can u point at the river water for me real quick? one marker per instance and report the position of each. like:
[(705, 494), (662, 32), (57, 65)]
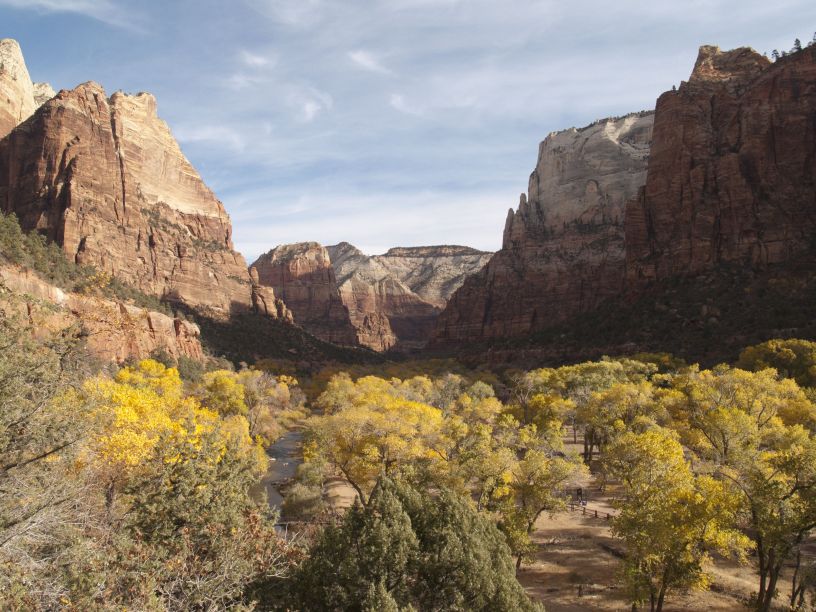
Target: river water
[(284, 458)]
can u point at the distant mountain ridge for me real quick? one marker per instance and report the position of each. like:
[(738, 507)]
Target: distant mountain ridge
[(389, 301)]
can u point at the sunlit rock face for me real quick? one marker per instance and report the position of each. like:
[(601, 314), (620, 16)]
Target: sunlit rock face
[(563, 249), (16, 89), (113, 331), (395, 298), (302, 276), (105, 179)]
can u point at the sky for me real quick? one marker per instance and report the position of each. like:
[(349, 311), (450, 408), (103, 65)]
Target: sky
[(382, 122)]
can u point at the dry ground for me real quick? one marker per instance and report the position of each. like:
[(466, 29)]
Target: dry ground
[(577, 550)]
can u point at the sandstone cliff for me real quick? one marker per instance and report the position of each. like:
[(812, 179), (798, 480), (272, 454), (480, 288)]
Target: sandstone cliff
[(106, 180), (394, 298), (16, 89), (302, 276), (434, 272), (724, 207), (113, 331), (563, 249), (732, 173)]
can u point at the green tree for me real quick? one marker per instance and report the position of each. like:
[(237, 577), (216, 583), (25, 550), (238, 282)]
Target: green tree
[(410, 549)]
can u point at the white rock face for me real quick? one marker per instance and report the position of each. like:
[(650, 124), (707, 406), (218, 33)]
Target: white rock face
[(155, 159), (564, 247), (16, 90), (43, 92), (394, 298)]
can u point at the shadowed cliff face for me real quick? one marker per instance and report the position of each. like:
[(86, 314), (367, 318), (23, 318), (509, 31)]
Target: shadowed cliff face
[(732, 172), (563, 248), (731, 181)]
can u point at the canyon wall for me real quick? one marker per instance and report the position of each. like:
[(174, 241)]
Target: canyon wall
[(732, 172), (301, 275), (563, 248), (105, 179), (723, 174)]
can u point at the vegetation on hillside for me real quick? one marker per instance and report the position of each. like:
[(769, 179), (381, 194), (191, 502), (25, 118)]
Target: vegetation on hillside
[(30, 250)]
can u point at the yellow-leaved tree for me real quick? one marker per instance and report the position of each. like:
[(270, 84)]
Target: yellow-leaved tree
[(668, 517)]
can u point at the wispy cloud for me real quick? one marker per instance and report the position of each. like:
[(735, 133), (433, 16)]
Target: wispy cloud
[(362, 119), (105, 11), (296, 13), (257, 60), (397, 102), (222, 136), (367, 61)]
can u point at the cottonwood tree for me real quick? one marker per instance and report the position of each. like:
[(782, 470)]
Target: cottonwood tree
[(757, 433), (668, 518)]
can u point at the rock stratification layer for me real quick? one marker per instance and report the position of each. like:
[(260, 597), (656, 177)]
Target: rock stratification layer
[(302, 276), (732, 172), (563, 248), (106, 180)]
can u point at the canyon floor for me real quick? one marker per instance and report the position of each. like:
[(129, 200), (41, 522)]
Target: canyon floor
[(578, 550)]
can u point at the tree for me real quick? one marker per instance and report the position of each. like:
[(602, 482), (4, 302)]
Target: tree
[(43, 424), (405, 549), (538, 484), (797, 46), (372, 431), (775, 54), (792, 358), (668, 518), (756, 431)]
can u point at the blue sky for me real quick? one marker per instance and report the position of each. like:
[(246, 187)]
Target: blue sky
[(382, 122)]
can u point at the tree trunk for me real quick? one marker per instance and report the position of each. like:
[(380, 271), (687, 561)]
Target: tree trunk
[(794, 587)]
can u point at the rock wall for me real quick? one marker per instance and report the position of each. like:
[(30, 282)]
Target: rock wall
[(302, 276), (114, 331), (16, 89), (563, 249), (433, 272), (105, 179), (732, 173), (395, 298), (728, 182)]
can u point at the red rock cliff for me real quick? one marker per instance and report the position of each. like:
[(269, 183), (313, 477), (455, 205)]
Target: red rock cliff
[(106, 179), (302, 276), (732, 171)]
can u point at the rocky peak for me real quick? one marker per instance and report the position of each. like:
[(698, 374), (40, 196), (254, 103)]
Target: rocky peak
[(563, 248), (16, 90), (739, 65), (43, 92), (106, 180)]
